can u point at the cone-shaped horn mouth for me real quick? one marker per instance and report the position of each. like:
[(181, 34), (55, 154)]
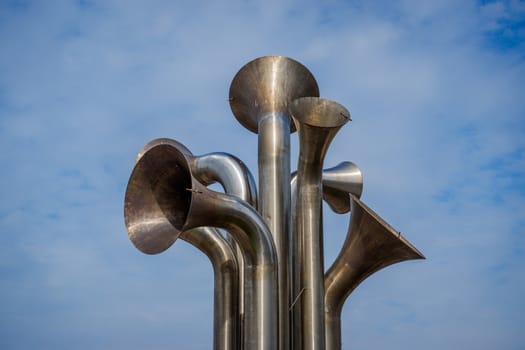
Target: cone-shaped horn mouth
[(157, 198), (338, 182), (319, 112), (267, 85), (395, 246)]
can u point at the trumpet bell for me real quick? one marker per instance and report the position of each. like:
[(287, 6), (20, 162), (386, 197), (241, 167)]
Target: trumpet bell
[(319, 112), (339, 182), (267, 85), (158, 198), (371, 245)]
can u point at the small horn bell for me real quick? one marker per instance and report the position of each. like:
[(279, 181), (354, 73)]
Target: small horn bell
[(370, 245), (339, 182)]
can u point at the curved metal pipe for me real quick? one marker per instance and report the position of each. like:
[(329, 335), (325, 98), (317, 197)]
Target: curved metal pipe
[(165, 197), (370, 245), (317, 121), (226, 306), (235, 178), (259, 96), (224, 168)]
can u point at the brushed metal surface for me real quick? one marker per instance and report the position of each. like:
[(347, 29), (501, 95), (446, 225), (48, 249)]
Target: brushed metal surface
[(260, 94), (317, 121), (371, 244), (270, 288), (164, 198), (225, 284)]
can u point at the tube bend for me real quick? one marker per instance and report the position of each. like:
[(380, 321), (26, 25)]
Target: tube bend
[(230, 172)]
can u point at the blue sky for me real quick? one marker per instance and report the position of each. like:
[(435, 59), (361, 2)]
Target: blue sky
[(435, 89)]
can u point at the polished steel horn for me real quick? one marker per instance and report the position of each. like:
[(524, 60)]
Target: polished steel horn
[(259, 97), (165, 197), (338, 182), (317, 121), (226, 284), (370, 245), (235, 178), (227, 262)]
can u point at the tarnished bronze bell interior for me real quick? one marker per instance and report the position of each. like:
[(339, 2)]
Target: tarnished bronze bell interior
[(157, 199), (267, 85)]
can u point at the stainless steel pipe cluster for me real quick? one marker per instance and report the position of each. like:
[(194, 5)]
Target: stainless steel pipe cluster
[(271, 288)]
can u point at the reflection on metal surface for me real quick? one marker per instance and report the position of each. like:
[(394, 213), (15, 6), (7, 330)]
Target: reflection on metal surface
[(371, 244), (339, 182), (271, 289), (164, 198), (260, 94), (317, 121), (226, 284), (235, 178)]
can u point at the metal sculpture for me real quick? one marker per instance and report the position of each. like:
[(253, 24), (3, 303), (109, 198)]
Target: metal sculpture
[(271, 288)]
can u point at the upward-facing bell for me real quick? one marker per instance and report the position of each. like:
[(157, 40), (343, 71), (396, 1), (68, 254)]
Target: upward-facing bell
[(267, 85)]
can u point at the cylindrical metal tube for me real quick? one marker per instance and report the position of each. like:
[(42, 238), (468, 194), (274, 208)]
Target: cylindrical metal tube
[(164, 198), (317, 121), (274, 200), (252, 235), (259, 97), (337, 183), (226, 284), (237, 180), (310, 257)]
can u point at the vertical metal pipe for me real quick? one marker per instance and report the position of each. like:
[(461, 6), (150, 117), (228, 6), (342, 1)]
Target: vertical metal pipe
[(259, 97), (317, 121), (274, 200), (225, 286), (337, 183), (237, 180), (242, 221)]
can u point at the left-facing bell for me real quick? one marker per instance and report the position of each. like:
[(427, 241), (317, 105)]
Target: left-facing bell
[(165, 197), (158, 199)]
